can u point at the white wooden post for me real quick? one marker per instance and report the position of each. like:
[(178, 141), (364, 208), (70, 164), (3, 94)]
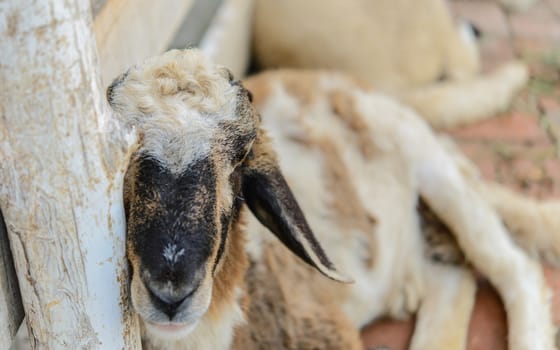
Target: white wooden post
[(62, 158)]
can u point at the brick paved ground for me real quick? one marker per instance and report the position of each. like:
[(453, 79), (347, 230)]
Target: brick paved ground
[(520, 148)]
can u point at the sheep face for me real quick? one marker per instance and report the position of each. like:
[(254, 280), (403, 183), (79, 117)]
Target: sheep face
[(201, 154)]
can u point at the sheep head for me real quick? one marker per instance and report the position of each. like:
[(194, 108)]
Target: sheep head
[(202, 155)]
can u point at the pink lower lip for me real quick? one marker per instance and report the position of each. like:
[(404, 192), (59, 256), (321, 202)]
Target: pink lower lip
[(169, 327)]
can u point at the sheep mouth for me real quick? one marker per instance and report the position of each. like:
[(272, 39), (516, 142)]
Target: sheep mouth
[(156, 323), (171, 329)]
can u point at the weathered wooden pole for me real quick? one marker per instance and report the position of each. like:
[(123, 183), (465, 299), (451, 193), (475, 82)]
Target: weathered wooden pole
[(62, 158)]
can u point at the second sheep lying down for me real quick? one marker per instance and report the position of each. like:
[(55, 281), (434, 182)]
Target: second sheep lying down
[(208, 275), (358, 164)]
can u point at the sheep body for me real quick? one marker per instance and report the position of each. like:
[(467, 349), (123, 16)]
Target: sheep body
[(340, 147)]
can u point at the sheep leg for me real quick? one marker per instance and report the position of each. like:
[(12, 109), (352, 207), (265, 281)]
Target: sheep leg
[(487, 244), (442, 321), (453, 103), (534, 224), (479, 231)]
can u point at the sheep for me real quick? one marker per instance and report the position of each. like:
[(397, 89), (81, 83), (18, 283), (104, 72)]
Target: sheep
[(411, 49), (206, 187)]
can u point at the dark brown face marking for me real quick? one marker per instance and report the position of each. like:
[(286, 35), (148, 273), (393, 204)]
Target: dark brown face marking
[(172, 226)]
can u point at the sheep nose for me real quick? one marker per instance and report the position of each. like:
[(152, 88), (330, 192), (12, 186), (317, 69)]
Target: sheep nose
[(169, 308), (170, 303)]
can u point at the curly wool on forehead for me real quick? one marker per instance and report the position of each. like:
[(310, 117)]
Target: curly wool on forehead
[(176, 80), (178, 101)]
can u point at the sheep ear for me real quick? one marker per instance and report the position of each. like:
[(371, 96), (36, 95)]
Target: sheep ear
[(270, 199)]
